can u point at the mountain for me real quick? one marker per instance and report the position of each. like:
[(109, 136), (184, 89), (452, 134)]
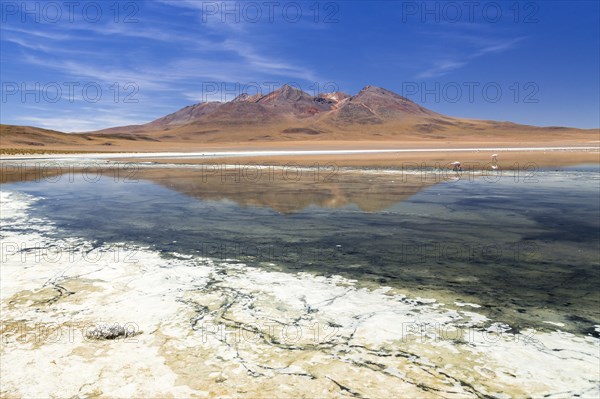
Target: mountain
[(287, 111), (286, 103), (289, 114), (374, 105)]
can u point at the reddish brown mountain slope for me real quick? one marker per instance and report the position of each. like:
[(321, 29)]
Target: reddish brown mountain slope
[(291, 115)]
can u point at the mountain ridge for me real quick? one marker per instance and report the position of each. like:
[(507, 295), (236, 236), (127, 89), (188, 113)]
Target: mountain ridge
[(288, 114), (287, 104)]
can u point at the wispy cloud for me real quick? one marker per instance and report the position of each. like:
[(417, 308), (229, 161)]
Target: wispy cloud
[(458, 48), (254, 59), (498, 47), (440, 68), (169, 60)]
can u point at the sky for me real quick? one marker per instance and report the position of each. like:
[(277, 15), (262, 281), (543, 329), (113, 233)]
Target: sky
[(87, 65)]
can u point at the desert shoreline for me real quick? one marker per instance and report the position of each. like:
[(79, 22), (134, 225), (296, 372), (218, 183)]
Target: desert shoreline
[(391, 158)]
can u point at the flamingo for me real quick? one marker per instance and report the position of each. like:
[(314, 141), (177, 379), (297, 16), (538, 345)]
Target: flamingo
[(456, 166), (495, 161)]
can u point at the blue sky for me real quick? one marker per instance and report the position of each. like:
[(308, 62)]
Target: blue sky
[(97, 64)]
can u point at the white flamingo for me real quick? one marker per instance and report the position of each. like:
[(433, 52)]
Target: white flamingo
[(456, 166), (495, 161)]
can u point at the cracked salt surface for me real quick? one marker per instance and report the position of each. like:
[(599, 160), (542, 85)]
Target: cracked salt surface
[(207, 328)]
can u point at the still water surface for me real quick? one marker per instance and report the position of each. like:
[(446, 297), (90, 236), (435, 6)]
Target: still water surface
[(526, 250)]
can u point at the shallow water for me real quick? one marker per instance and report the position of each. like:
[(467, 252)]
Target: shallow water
[(525, 249), (373, 284)]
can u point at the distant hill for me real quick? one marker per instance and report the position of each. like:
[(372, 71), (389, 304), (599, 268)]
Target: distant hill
[(288, 115)]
